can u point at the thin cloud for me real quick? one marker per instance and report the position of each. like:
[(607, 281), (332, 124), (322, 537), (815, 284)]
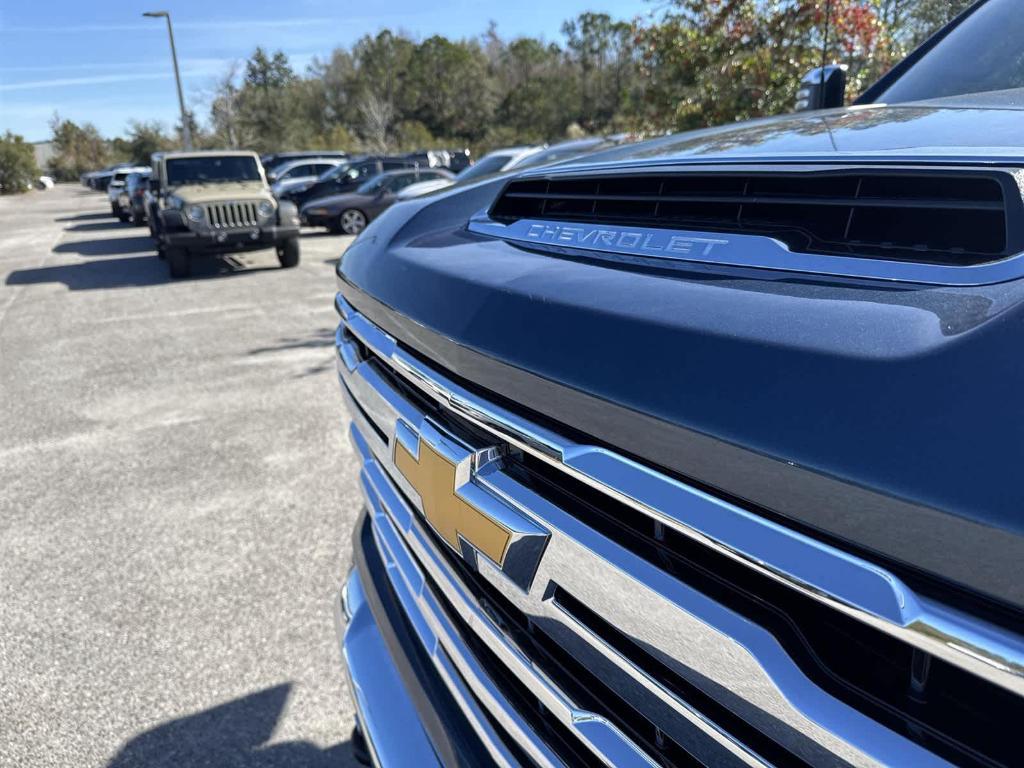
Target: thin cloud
[(209, 67), (210, 24)]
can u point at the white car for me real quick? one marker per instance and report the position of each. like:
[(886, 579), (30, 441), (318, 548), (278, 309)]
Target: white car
[(292, 175), (423, 187)]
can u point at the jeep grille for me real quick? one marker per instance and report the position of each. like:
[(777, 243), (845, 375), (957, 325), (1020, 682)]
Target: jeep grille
[(232, 215)]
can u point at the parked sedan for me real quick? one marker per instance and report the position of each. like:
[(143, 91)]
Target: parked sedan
[(349, 213)]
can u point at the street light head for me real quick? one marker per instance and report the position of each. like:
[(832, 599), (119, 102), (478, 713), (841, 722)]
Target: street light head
[(155, 14)]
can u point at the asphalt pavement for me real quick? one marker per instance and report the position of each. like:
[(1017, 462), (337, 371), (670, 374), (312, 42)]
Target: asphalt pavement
[(176, 499)]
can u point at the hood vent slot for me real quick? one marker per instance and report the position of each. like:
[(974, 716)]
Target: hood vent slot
[(941, 217)]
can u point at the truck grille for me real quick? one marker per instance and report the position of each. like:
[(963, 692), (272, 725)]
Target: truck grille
[(662, 626), (941, 216), (232, 215)]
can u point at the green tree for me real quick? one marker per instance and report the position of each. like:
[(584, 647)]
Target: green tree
[(447, 88), (709, 62), (145, 138), (263, 103), (412, 135), (17, 164), (607, 69), (539, 90), (78, 149)]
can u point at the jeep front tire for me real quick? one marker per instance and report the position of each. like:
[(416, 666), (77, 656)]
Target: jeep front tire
[(288, 252), (178, 262)]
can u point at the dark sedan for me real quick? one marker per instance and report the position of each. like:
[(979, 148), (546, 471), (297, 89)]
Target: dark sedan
[(349, 213)]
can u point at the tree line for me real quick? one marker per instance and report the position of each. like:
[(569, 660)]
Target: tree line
[(688, 64)]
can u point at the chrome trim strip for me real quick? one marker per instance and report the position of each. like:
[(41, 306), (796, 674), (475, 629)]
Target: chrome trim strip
[(662, 247), (862, 590), (388, 718), (708, 645)]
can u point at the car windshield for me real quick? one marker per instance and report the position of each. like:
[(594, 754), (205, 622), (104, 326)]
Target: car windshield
[(487, 165), (983, 53), (198, 170)]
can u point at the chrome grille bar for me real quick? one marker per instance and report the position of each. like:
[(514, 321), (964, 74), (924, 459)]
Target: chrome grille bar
[(701, 639), (844, 582)]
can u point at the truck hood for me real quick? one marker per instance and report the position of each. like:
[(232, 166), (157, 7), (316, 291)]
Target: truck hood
[(911, 133), (233, 190), (885, 418)]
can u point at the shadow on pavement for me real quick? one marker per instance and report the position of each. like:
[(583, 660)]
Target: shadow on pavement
[(108, 246), (98, 226), (128, 272), (83, 217), (324, 337), (230, 735)]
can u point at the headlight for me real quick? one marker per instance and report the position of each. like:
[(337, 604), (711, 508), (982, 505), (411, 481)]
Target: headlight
[(195, 212), (265, 208)]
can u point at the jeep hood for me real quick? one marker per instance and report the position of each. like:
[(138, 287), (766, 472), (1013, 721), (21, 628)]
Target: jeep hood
[(231, 190), (943, 131)]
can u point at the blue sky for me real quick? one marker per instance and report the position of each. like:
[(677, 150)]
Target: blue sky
[(105, 63)]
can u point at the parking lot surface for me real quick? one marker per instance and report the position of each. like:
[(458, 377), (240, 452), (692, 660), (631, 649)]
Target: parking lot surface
[(176, 499)]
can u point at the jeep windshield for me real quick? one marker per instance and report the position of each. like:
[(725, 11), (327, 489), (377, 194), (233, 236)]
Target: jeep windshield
[(984, 53), (204, 170)]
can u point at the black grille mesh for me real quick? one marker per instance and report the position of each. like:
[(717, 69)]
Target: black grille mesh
[(947, 217)]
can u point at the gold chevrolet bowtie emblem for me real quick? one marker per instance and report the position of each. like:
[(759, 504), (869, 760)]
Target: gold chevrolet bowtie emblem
[(461, 494), (433, 476)]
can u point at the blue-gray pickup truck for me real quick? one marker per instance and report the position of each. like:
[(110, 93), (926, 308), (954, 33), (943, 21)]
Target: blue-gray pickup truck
[(704, 450)]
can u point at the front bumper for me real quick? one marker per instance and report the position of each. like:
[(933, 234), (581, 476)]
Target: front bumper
[(385, 711), (498, 675), (230, 240)]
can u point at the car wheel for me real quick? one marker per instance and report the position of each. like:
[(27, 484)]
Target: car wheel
[(124, 216), (115, 211), (352, 222), (138, 219), (178, 262), (288, 252)]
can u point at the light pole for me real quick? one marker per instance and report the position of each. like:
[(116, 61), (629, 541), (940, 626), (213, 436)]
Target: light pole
[(186, 133)]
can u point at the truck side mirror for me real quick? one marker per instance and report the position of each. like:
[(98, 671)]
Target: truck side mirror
[(822, 88)]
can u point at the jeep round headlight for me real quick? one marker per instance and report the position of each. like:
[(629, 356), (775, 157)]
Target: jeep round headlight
[(195, 212), (265, 208)]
